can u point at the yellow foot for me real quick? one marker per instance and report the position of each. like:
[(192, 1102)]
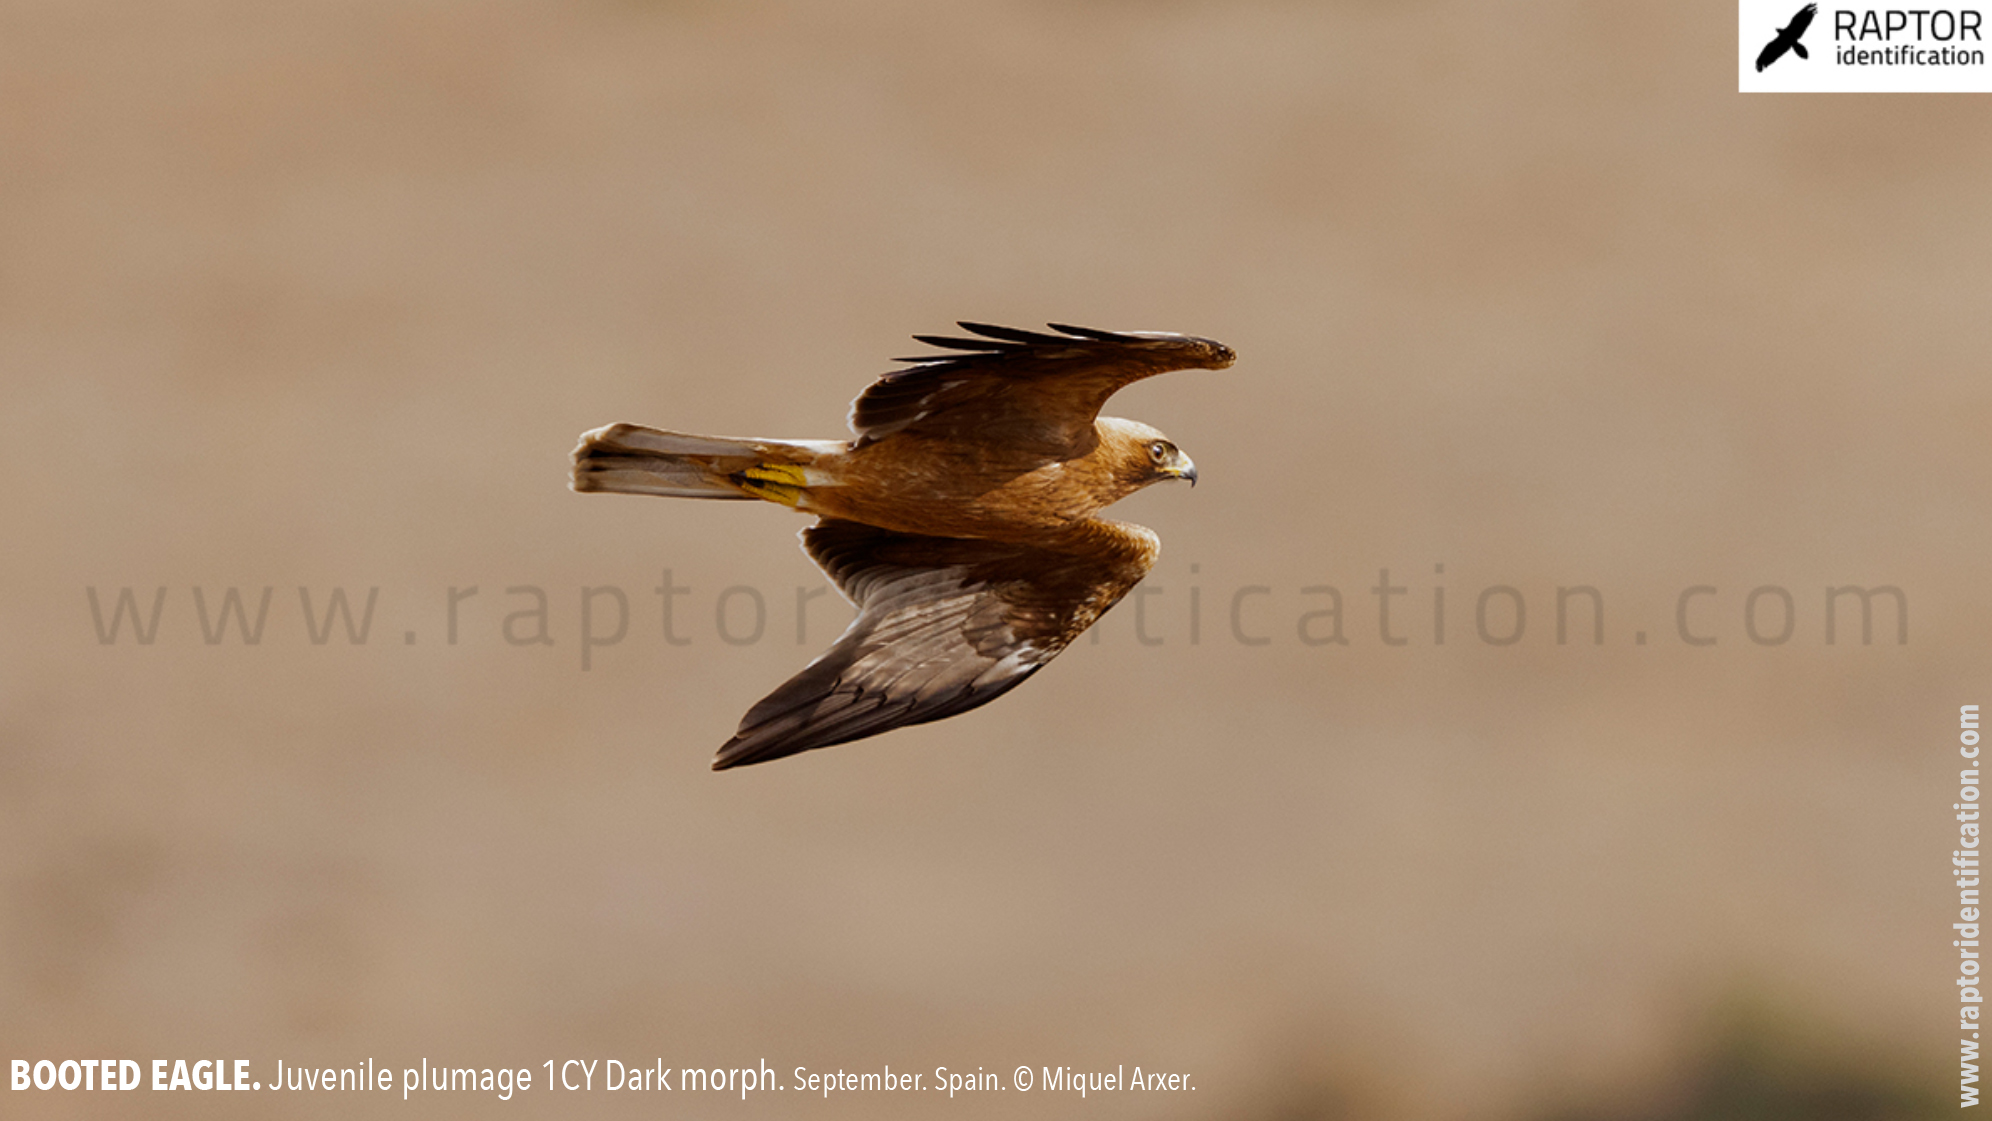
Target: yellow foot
[(778, 473), (773, 482)]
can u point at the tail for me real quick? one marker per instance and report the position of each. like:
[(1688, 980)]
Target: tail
[(632, 459)]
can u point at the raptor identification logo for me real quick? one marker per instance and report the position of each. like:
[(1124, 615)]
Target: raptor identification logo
[(1787, 46)]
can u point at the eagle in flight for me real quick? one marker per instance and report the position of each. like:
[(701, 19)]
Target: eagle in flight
[(963, 521), (1788, 38)]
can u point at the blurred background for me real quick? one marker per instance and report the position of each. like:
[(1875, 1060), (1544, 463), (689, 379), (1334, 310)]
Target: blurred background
[(316, 299)]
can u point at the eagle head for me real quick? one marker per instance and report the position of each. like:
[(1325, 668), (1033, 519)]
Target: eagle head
[(1141, 455)]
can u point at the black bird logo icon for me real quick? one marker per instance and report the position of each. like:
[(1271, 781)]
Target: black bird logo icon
[(1788, 38)]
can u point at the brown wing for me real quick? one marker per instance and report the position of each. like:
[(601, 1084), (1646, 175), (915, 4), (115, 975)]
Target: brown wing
[(1023, 389), (944, 625)]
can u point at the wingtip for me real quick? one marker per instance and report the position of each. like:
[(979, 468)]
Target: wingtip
[(746, 749), (1093, 333), (1016, 335), (991, 338), (1216, 355)]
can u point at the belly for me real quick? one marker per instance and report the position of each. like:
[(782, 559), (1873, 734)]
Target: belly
[(944, 490)]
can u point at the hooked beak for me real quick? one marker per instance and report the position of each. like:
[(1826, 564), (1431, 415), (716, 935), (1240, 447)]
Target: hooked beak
[(1188, 470)]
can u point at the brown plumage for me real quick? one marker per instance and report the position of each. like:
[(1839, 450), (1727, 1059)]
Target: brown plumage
[(962, 522)]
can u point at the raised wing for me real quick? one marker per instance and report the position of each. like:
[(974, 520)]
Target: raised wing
[(944, 625), (1024, 389), (1796, 29)]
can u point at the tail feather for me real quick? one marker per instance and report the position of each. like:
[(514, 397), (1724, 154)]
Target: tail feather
[(632, 459)]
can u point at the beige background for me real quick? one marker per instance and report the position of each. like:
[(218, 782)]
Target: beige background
[(320, 296)]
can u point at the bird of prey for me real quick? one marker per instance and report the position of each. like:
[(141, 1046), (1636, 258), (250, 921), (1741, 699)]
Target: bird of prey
[(963, 521), (1788, 38)]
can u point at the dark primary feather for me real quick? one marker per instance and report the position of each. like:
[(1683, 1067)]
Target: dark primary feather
[(944, 625), (1028, 389)]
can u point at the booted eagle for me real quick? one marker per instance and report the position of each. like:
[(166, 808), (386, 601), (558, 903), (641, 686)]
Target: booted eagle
[(962, 521)]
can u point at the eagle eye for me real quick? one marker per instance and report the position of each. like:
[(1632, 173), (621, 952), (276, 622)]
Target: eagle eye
[(1159, 452)]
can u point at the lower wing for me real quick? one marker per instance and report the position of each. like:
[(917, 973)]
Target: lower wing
[(944, 625)]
